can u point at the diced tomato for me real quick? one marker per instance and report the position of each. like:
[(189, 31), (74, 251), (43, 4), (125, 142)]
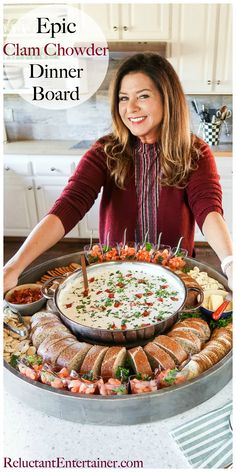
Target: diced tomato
[(108, 290), (138, 295), (175, 299), (92, 279), (160, 299), (111, 295), (68, 305), (63, 373), (123, 327), (120, 284), (28, 372), (149, 303), (164, 286), (146, 313), (113, 326), (98, 292), (117, 304), (57, 383)]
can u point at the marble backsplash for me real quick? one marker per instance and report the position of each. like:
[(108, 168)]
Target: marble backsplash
[(89, 120)]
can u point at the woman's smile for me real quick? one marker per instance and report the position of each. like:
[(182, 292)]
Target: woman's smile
[(140, 106)]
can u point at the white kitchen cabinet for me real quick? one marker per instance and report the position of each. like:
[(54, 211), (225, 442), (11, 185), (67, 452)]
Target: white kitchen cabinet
[(131, 21), (31, 186), (201, 47), (47, 190), (20, 210), (224, 58), (89, 225), (224, 166)]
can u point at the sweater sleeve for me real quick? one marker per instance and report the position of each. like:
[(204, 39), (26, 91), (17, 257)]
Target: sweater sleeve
[(82, 189), (204, 190)]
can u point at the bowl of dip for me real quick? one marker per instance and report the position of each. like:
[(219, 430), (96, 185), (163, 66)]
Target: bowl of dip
[(127, 302)]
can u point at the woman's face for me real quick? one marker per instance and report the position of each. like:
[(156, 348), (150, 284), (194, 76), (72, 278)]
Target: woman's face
[(140, 106)]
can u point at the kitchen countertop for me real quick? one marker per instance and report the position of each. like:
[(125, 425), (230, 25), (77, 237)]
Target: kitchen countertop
[(30, 434), (70, 147)]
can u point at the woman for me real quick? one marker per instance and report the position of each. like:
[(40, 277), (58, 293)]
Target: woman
[(155, 175)]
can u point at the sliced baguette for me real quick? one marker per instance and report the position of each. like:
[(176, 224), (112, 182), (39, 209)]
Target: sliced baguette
[(189, 341), (72, 357), (42, 321), (172, 347), (41, 332), (53, 350), (139, 360), (222, 332), (190, 328), (158, 358), (38, 316), (114, 357), (204, 325), (93, 360), (218, 346)]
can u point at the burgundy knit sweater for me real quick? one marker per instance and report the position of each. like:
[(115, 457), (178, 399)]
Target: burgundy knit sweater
[(178, 209)]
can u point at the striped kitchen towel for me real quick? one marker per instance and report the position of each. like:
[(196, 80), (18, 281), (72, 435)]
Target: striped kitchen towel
[(207, 441)]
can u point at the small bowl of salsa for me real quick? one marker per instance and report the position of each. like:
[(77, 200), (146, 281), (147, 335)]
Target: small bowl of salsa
[(27, 299)]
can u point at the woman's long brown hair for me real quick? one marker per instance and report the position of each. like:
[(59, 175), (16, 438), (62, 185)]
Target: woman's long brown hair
[(178, 150)]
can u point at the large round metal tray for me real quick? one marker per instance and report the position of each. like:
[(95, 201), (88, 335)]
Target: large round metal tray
[(117, 410)]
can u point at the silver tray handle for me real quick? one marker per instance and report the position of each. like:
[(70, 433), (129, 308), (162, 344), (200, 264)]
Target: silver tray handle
[(200, 299), (48, 289)]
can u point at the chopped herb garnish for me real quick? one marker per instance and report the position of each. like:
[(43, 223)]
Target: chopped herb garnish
[(88, 376), (221, 323), (141, 376), (34, 359), (14, 360), (122, 373)]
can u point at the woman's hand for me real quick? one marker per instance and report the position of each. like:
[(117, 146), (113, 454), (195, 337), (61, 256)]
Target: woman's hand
[(10, 277)]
